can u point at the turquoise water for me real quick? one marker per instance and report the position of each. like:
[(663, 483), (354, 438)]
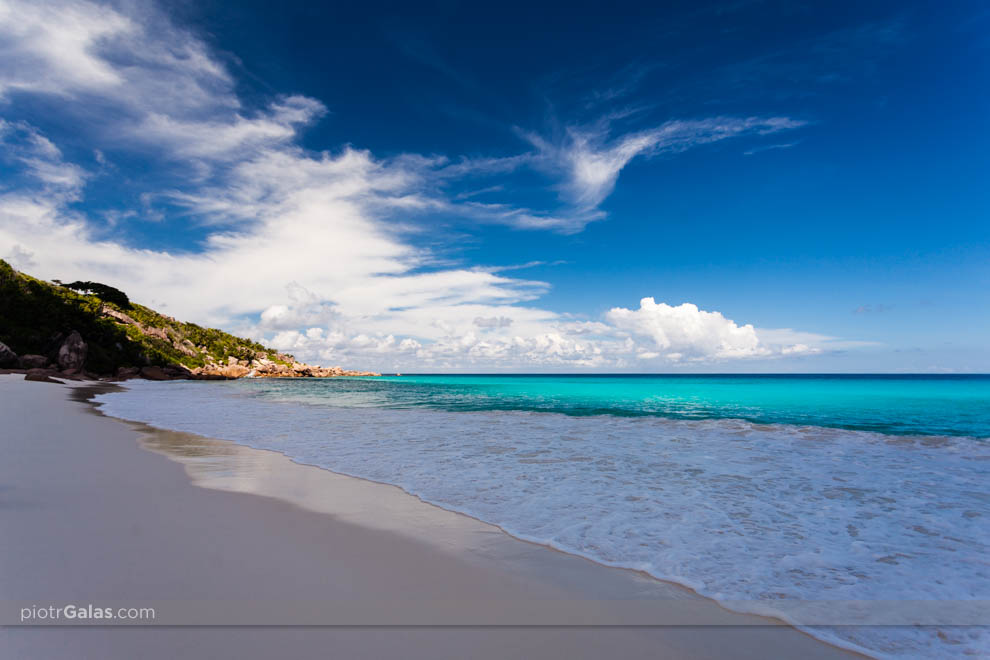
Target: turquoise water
[(902, 405), (766, 493)]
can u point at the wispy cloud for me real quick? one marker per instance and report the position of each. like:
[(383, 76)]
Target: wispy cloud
[(770, 147), (589, 159), (40, 159), (301, 248), (228, 137)]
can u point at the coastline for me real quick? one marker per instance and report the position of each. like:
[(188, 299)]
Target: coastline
[(265, 528)]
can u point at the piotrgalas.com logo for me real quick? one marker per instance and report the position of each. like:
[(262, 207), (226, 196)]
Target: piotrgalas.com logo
[(89, 612)]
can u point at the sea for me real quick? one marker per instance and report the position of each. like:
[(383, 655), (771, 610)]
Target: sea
[(765, 492)]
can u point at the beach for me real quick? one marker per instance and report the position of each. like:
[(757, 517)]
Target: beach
[(97, 510), (455, 331)]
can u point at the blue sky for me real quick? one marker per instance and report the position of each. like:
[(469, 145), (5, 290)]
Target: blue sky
[(448, 187)]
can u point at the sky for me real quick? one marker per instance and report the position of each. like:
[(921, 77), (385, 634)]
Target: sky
[(737, 186)]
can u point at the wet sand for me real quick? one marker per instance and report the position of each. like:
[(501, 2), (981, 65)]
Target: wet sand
[(96, 510)]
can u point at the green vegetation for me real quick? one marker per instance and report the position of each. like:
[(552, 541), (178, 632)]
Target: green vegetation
[(101, 291), (36, 316)]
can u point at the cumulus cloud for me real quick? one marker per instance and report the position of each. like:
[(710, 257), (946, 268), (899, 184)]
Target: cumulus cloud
[(687, 332), (302, 249), (584, 328)]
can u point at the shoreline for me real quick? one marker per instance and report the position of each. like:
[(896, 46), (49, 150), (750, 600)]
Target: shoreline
[(470, 558)]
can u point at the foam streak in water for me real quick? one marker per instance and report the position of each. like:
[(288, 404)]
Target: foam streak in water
[(734, 510)]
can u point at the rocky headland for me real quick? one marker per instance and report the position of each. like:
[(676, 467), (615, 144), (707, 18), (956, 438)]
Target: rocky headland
[(88, 330)]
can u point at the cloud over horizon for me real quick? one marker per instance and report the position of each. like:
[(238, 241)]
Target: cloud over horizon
[(310, 250), (686, 332)]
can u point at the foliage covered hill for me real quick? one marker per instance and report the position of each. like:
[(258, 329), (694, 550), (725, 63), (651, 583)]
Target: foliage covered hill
[(36, 316)]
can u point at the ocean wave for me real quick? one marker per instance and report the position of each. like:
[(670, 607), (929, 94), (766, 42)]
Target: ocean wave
[(759, 515)]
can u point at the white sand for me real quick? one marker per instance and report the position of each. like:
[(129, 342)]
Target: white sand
[(89, 515)]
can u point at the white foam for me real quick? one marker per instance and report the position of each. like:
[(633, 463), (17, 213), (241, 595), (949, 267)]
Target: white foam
[(765, 515)]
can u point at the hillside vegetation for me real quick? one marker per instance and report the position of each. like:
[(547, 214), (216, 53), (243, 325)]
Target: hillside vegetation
[(36, 317)]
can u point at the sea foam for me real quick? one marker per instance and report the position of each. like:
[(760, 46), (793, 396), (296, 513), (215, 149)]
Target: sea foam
[(760, 517)]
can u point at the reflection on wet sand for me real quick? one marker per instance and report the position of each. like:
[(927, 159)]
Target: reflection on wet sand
[(227, 466)]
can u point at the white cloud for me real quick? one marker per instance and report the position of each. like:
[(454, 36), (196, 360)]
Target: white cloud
[(584, 328), (770, 147), (40, 159), (230, 136), (20, 258), (124, 64), (686, 331), (301, 250), (53, 47), (780, 339), (493, 322), (590, 162)]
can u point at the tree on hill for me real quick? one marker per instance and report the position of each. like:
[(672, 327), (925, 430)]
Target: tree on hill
[(103, 291)]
